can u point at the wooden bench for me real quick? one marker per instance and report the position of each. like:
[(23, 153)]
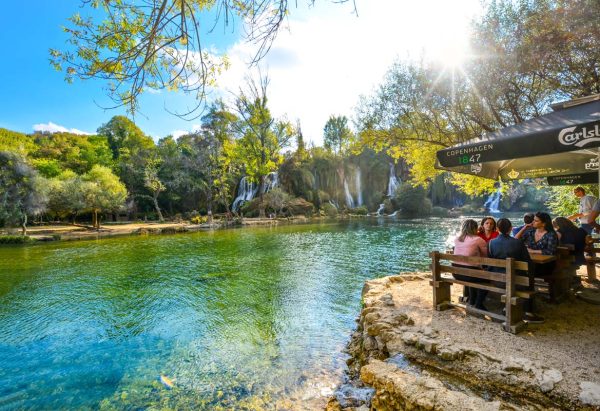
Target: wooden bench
[(501, 283), (592, 249), (559, 282)]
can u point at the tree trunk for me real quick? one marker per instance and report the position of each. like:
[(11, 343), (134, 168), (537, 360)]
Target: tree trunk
[(261, 203), (24, 225), (95, 221), (155, 198)]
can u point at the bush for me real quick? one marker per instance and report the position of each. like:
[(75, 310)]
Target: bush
[(298, 206), (330, 210), (199, 219), (362, 210), (412, 201), (56, 237), (14, 239)]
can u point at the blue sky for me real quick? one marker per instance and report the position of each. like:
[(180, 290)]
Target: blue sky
[(318, 66)]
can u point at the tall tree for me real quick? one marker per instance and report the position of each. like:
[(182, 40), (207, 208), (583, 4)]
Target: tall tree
[(262, 136), (104, 192), (337, 134), (22, 190)]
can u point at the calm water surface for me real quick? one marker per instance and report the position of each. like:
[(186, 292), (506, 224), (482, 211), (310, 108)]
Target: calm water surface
[(246, 319)]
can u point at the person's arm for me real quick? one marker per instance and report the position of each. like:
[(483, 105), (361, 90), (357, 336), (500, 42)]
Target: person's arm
[(573, 217), (483, 248), (523, 230)]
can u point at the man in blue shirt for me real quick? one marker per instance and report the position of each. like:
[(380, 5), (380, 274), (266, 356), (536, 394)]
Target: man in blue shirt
[(527, 219)]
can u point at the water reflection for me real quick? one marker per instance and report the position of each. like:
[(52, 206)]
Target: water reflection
[(238, 318)]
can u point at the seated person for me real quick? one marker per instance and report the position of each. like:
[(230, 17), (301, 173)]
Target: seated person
[(506, 246), (569, 234), (468, 243), (542, 240), (487, 229), (527, 219)]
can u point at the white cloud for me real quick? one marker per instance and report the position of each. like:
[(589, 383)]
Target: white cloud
[(178, 133), (51, 127), (329, 56)]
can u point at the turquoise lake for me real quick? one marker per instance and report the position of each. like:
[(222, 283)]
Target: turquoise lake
[(252, 318)]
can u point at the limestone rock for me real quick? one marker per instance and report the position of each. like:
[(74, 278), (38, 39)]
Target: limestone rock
[(397, 389), (547, 378), (517, 364), (387, 299), (590, 393)]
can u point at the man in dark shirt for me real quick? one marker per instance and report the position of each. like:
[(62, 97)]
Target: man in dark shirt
[(527, 219), (505, 246)]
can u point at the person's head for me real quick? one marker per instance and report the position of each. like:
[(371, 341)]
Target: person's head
[(563, 224), (469, 227), (504, 226), (579, 191), (543, 220), (528, 218), (488, 224)]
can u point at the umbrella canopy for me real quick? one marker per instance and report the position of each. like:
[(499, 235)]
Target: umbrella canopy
[(573, 179), (559, 143)]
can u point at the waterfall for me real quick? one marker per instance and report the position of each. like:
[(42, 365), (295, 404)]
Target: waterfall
[(380, 209), (493, 201), (349, 199), (246, 192), (359, 199), (271, 181), (393, 182)]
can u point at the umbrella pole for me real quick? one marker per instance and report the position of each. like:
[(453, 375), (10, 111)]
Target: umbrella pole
[(598, 172)]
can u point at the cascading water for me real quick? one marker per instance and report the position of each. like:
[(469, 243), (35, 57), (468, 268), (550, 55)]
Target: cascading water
[(359, 199), (380, 209), (246, 192), (493, 201), (271, 181), (349, 199), (393, 182)]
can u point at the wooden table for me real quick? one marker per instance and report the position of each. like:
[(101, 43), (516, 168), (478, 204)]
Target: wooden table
[(541, 258)]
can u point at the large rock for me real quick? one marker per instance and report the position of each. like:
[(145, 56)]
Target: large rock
[(398, 390), (590, 393)]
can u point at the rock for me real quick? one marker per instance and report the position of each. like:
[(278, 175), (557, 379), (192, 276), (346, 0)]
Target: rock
[(428, 345), (450, 353), (547, 378), (409, 338), (350, 396), (387, 299), (396, 389), (370, 344), (590, 393), (517, 364)]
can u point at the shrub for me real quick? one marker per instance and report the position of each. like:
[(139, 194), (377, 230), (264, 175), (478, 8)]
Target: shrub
[(362, 210), (439, 211), (56, 237), (14, 239), (329, 210), (412, 201), (199, 219)]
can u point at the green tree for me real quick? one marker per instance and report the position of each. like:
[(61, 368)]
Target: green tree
[(67, 195), (104, 193), (22, 190), (132, 150), (153, 183), (336, 134), (262, 136)]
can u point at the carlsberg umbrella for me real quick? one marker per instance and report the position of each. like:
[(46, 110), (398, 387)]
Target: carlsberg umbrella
[(563, 142)]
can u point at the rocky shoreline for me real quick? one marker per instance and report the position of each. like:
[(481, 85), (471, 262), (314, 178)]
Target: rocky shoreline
[(405, 355)]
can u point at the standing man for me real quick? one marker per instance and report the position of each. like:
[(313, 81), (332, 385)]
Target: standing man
[(586, 203)]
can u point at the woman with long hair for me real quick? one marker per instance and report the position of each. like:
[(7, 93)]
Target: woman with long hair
[(542, 240), (571, 235), (468, 243), (487, 229)]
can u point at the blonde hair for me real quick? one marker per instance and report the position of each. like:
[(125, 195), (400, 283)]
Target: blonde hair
[(469, 227)]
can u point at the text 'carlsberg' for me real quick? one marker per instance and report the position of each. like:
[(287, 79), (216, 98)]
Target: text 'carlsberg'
[(568, 136)]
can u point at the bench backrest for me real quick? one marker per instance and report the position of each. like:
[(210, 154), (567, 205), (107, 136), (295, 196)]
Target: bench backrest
[(510, 265)]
